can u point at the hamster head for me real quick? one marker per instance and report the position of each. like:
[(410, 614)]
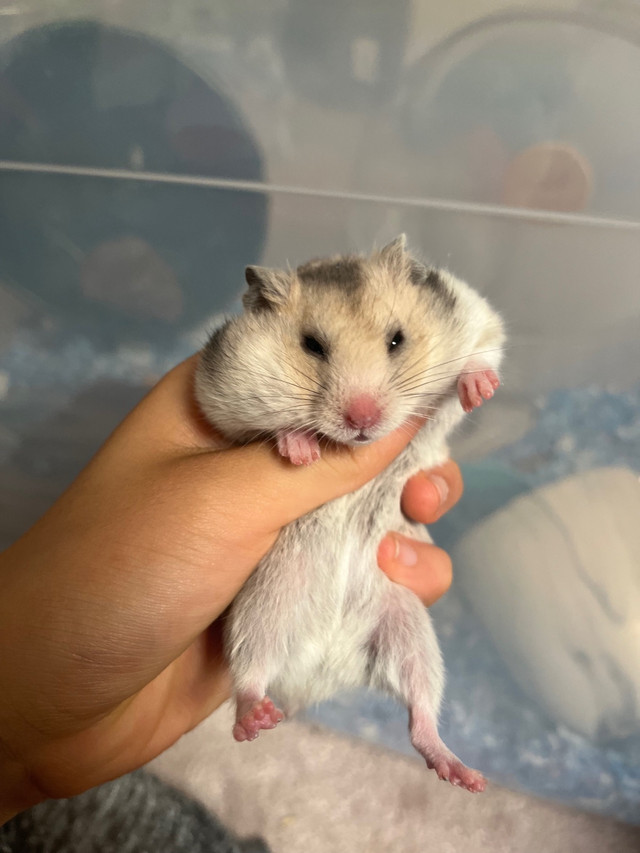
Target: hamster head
[(347, 348)]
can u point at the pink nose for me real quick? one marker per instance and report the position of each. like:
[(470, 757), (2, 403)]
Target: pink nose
[(362, 412)]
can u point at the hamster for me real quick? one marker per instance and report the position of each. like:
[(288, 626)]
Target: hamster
[(346, 349)]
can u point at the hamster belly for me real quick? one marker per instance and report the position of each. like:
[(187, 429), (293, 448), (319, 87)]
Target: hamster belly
[(331, 649)]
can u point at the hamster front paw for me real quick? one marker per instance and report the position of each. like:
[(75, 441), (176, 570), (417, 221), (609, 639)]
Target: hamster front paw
[(300, 447), (476, 383)]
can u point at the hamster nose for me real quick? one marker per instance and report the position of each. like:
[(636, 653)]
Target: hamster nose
[(362, 412)]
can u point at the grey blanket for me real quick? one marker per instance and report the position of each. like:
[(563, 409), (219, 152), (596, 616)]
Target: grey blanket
[(135, 814)]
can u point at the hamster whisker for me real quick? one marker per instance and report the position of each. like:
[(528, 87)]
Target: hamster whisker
[(422, 395), (409, 379), (301, 398), (272, 378), (448, 375), (420, 386), (314, 380), (291, 410), (426, 412), (404, 428), (401, 374), (257, 435), (430, 380), (465, 357), (405, 379)]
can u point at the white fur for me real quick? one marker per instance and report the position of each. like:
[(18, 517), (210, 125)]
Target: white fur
[(318, 615)]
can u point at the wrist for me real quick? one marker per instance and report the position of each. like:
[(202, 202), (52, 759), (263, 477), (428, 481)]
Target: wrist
[(17, 789), (17, 793)]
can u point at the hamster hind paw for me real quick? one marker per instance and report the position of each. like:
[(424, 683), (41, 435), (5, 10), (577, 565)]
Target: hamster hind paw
[(425, 738), (253, 716), (451, 769)]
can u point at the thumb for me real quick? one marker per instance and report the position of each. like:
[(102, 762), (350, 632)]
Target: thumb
[(424, 568)]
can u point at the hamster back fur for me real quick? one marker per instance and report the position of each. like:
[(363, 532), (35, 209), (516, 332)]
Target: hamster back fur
[(346, 349)]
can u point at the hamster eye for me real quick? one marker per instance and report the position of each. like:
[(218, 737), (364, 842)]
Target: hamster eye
[(396, 341), (313, 346)]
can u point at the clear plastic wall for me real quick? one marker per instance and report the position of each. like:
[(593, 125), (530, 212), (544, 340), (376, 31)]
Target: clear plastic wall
[(148, 151)]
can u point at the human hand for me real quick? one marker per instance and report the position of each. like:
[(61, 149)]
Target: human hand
[(111, 648), (425, 569)]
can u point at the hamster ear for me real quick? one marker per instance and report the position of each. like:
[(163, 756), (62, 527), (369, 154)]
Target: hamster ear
[(395, 252), (396, 256), (267, 288)]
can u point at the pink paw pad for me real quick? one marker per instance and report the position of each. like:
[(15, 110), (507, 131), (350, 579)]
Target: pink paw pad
[(451, 769), (261, 715), (474, 386), (301, 448)]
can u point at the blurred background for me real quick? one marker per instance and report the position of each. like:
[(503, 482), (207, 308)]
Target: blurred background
[(149, 151)]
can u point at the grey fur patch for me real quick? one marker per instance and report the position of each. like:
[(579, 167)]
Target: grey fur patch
[(344, 273), (212, 352), (217, 334), (432, 279)]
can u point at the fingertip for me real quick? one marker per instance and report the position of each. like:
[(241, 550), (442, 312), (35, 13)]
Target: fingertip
[(429, 577), (421, 498), (451, 472), (430, 494), (437, 576), (441, 571), (386, 553)]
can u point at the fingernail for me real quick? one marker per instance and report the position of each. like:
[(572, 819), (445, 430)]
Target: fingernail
[(441, 485), (405, 554)]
